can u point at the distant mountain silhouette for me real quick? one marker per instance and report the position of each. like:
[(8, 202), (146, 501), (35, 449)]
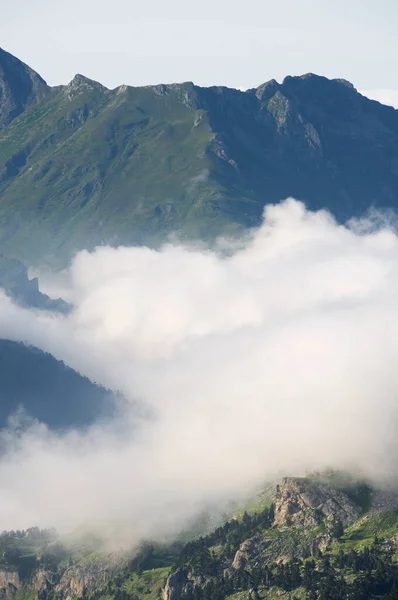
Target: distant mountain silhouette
[(47, 389)]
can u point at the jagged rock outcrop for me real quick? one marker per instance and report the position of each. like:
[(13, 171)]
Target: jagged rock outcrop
[(175, 584), (304, 502), (11, 583), (249, 551), (321, 542), (182, 581), (79, 579), (80, 84), (42, 580)]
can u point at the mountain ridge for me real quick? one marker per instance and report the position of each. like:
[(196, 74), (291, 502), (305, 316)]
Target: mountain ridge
[(186, 160), (49, 391)]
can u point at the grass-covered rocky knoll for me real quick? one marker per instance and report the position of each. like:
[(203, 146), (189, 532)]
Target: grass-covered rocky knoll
[(82, 165), (285, 546)]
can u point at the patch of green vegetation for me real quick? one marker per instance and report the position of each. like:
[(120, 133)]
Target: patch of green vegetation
[(382, 526), (258, 503), (148, 584), (297, 594), (239, 596), (142, 169), (22, 594)]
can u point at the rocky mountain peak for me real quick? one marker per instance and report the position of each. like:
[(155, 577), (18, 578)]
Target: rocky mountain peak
[(315, 81), (304, 502), (80, 84), (267, 90)]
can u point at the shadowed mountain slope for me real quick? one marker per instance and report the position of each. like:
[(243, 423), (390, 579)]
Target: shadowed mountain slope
[(47, 389), (19, 87), (15, 281)]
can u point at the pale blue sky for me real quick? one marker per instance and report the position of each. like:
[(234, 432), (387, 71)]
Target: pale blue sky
[(239, 44)]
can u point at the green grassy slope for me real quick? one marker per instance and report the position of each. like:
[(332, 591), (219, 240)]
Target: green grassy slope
[(103, 166), (86, 165)]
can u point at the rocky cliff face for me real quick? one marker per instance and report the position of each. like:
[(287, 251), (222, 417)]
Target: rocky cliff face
[(91, 575), (175, 584), (303, 502), (251, 548), (75, 582), (10, 583), (78, 580)]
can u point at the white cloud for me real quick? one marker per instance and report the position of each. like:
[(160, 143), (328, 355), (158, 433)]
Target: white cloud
[(276, 358)]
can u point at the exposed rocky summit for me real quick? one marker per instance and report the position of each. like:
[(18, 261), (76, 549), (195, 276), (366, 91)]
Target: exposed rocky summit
[(305, 502)]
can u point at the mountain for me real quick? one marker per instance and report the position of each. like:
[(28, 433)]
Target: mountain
[(47, 389), (20, 86), (82, 165), (16, 283), (315, 538)]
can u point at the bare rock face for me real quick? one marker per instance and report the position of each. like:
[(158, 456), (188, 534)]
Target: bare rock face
[(75, 581), (242, 556), (248, 551), (175, 584), (9, 583), (303, 502), (81, 84), (321, 542), (79, 579)]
